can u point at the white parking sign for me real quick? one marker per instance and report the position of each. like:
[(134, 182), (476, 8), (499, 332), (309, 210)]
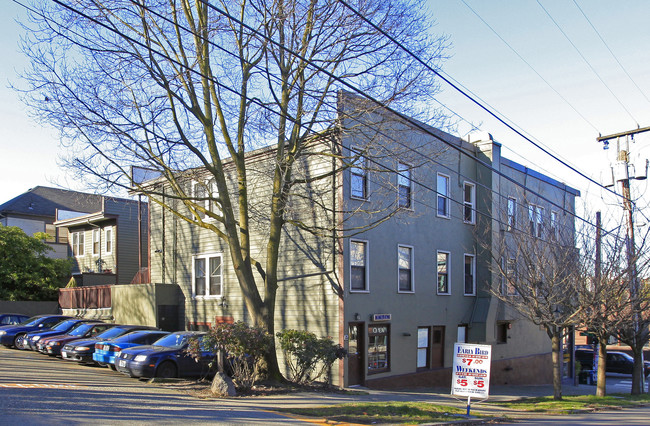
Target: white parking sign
[(471, 370)]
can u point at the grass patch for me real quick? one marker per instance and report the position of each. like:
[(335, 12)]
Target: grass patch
[(383, 412), (572, 404)]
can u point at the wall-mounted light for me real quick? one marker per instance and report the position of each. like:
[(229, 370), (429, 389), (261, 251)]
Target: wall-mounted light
[(223, 303), (357, 317), (158, 251), (406, 334)]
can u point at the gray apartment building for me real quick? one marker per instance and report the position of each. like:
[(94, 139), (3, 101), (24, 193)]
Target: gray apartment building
[(402, 266)]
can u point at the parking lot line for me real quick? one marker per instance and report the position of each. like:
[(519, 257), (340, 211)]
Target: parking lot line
[(40, 385)]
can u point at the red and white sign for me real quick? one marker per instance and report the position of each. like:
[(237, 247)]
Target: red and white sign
[(471, 371)]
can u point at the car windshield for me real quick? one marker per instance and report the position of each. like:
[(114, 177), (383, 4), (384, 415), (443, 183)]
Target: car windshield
[(81, 329), (64, 325), (110, 333), (172, 341), (31, 321)]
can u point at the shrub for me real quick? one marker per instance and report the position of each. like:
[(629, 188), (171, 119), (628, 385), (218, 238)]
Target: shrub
[(244, 349), (308, 356)]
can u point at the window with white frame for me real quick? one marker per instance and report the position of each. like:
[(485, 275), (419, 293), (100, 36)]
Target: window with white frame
[(207, 276), (461, 334), (535, 219), (469, 202), (405, 267), (443, 272), (78, 243), (96, 241), (358, 266), (424, 347), (108, 236), (470, 271), (359, 178), (442, 188), (512, 214), (205, 196), (554, 231), (404, 185)]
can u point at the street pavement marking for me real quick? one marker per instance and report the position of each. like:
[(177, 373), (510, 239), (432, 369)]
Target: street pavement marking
[(41, 385), (314, 420)]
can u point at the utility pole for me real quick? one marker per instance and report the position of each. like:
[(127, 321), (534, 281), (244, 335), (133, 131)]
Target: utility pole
[(621, 173)]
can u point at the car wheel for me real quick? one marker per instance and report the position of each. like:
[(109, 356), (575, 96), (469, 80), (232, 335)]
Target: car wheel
[(166, 370), (18, 341), (112, 367)]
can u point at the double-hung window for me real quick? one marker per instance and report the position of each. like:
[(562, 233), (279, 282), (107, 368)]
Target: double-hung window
[(470, 275), (405, 267), (404, 185), (442, 187), (512, 214), (78, 242), (108, 236), (96, 241), (555, 232), (535, 219), (206, 195), (443, 272), (424, 347), (469, 202), (207, 276), (358, 266), (359, 178)]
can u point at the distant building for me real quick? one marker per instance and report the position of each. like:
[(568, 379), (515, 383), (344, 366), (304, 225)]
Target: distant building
[(35, 211), (99, 232)]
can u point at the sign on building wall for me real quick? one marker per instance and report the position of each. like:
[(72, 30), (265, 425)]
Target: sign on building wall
[(471, 371)]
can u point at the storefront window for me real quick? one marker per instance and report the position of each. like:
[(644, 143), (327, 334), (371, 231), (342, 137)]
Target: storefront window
[(378, 348)]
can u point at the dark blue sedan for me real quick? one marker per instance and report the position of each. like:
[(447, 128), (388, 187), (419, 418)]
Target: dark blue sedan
[(12, 335), (12, 319), (64, 327), (166, 357)]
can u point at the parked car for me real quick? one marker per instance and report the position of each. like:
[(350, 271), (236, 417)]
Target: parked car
[(12, 319), (11, 335), (166, 357), (30, 339), (106, 351), (617, 362), (82, 350), (53, 345)]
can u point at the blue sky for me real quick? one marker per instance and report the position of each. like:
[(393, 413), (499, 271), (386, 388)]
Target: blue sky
[(480, 61)]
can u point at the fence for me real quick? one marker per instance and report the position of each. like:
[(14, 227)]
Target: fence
[(91, 297)]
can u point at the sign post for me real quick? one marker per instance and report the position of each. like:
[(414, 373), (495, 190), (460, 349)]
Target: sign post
[(471, 371)]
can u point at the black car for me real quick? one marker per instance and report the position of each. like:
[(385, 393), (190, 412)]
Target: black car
[(12, 319), (12, 335), (167, 357), (82, 350), (31, 339), (617, 362)]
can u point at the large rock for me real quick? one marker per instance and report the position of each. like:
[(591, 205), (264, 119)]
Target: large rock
[(222, 385)]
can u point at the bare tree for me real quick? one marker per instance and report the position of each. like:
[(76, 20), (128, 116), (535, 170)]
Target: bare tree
[(540, 277), (187, 89)]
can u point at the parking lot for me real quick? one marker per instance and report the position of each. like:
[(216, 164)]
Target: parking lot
[(38, 390)]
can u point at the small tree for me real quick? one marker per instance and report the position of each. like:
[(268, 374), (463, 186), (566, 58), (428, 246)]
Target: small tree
[(244, 349), (308, 356), (26, 273)]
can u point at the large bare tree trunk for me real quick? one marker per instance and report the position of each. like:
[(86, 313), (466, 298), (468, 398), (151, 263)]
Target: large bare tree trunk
[(556, 356), (602, 368)]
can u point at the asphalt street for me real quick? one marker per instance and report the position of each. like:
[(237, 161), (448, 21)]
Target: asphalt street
[(39, 390)]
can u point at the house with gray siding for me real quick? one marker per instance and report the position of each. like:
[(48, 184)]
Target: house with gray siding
[(402, 268), (110, 244)]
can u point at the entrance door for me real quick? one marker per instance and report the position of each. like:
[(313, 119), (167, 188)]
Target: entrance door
[(437, 346), (356, 351)]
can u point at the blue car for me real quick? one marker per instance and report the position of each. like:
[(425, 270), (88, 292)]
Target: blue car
[(106, 351), (166, 357), (12, 319), (64, 327), (12, 335), (82, 350)]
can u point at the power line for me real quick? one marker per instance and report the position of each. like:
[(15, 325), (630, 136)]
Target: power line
[(588, 63), (255, 100)]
